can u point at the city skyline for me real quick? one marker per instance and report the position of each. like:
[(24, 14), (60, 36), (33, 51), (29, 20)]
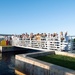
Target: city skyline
[(37, 16)]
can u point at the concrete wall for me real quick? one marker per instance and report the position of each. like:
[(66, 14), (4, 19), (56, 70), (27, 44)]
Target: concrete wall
[(6, 48), (39, 54), (31, 66), (0, 48), (65, 53)]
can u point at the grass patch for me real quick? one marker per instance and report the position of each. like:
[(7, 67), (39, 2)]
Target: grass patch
[(65, 61)]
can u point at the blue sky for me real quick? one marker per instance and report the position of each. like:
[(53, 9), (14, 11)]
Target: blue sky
[(21, 16)]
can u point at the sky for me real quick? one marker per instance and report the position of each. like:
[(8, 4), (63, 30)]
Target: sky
[(37, 16)]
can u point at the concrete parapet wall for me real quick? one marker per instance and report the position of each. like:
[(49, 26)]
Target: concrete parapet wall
[(40, 54), (65, 53), (31, 66)]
